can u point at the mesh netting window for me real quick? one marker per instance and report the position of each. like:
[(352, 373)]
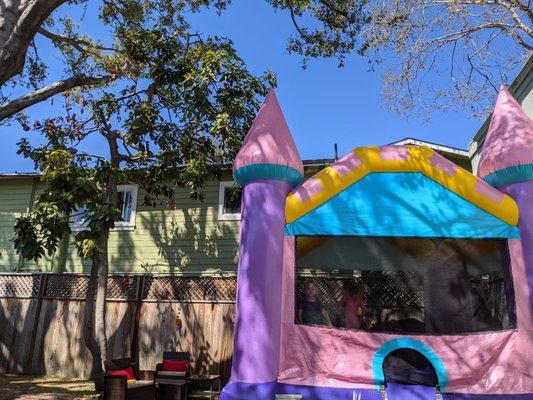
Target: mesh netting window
[(404, 285)]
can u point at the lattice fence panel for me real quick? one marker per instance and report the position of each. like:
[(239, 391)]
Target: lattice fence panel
[(330, 294), (330, 289), (381, 291), (398, 289), (190, 289), (122, 287), (395, 289), (20, 286), (64, 286)]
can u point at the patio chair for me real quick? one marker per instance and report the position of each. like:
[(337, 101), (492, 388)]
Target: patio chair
[(172, 384), (117, 387)]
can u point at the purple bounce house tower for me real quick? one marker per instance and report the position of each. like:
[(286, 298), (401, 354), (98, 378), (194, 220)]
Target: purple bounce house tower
[(268, 166), (463, 236), (507, 164)]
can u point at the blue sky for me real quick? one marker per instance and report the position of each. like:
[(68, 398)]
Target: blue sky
[(323, 104)]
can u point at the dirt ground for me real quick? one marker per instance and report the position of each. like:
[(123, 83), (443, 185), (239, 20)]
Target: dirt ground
[(23, 387)]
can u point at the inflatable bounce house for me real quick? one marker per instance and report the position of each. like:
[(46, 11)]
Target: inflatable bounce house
[(392, 273)]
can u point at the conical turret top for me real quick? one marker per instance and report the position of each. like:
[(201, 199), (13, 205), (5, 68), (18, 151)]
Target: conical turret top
[(507, 155), (269, 151)]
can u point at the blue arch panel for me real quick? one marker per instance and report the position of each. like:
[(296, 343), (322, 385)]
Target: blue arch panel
[(409, 343), (400, 204)]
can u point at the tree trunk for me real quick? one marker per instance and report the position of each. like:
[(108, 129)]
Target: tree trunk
[(100, 271), (19, 22), (94, 319), (88, 324), (99, 309)]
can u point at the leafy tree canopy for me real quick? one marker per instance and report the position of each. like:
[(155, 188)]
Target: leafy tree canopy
[(432, 53)]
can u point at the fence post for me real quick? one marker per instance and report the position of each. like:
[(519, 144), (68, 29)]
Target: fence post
[(137, 319), (36, 319)]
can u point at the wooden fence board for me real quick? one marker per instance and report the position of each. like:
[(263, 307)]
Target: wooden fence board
[(15, 333), (119, 328)]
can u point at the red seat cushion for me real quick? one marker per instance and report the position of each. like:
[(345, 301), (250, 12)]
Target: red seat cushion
[(126, 373), (175, 365)]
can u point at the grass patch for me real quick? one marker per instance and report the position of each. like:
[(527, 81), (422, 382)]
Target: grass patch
[(29, 387)]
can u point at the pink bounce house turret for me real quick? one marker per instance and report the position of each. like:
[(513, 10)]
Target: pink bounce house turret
[(268, 166), (507, 164)]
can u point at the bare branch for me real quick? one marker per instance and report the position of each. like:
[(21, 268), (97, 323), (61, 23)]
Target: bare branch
[(523, 7), (512, 10), (455, 36), (10, 108)]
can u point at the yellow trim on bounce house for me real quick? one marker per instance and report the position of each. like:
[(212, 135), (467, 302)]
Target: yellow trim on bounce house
[(329, 181)]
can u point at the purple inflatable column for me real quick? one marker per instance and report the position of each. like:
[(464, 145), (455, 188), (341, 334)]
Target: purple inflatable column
[(267, 166), (507, 163), (257, 333), (522, 192)]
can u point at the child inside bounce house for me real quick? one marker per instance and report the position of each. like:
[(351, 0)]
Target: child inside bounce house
[(392, 273)]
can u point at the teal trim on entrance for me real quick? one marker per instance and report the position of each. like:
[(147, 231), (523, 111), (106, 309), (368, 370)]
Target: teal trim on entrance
[(409, 343)]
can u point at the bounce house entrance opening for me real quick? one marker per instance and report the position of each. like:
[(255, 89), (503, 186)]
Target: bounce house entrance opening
[(409, 367)]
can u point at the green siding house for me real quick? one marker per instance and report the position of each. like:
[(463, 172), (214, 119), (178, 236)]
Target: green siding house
[(193, 238)]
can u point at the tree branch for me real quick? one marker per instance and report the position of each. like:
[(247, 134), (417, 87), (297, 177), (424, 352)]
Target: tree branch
[(111, 136), (295, 23), (12, 107), (523, 7), (125, 140), (454, 36), (77, 43), (514, 14), (332, 7)]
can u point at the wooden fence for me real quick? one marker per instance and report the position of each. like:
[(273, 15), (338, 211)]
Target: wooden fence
[(41, 322)]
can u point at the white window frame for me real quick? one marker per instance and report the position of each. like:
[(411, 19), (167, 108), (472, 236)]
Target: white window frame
[(128, 225), (222, 216), (119, 225)]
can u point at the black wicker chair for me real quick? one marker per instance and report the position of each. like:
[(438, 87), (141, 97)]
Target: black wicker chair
[(117, 388)]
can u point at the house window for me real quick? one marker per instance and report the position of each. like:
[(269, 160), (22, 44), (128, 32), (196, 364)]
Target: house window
[(229, 201), (127, 197)]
